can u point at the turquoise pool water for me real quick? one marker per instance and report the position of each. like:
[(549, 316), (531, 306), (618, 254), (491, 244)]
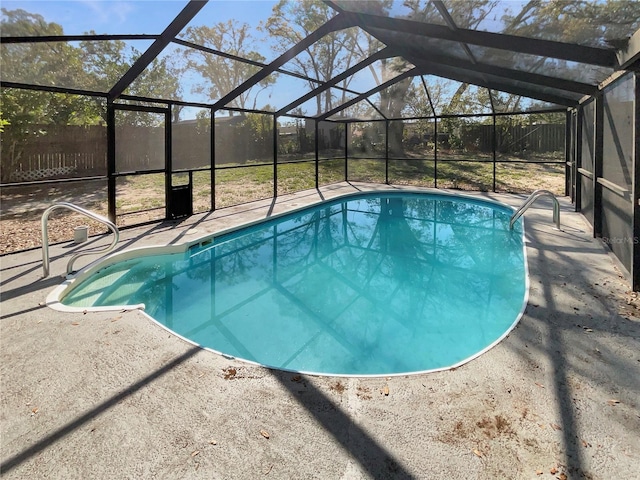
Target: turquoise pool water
[(376, 284)]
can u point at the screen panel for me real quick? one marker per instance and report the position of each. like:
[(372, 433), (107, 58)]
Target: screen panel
[(331, 171), (617, 134), (140, 141), (411, 138), (331, 141), (588, 136), (465, 175), (51, 136), (412, 172), (202, 191), (140, 198), (295, 177), (525, 177), (243, 139), (366, 140), (366, 170), (244, 184), (296, 139), (23, 206), (617, 233), (586, 198), (190, 138)]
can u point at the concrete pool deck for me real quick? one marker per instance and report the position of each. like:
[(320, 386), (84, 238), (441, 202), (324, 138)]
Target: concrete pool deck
[(113, 395)]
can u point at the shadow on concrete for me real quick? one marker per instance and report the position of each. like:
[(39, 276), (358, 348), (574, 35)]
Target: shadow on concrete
[(377, 461), (11, 463), (554, 332), (20, 312), (33, 287)]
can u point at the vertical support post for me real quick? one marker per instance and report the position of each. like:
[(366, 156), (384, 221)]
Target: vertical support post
[(568, 166), (111, 161), (435, 152), (494, 142), (435, 133), (275, 156), (597, 165), (317, 151), (168, 162), (635, 197), (346, 151), (578, 164), (386, 151), (493, 138), (212, 159)]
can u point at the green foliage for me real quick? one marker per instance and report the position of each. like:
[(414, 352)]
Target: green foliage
[(220, 74), (292, 21), (93, 66)]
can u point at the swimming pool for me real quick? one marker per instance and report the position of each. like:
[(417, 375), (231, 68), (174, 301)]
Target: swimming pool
[(379, 283)]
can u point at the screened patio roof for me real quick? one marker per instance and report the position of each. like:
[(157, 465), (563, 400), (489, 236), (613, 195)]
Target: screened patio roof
[(500, 49)]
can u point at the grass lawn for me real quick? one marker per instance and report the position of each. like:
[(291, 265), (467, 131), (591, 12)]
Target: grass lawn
[(141, 198)]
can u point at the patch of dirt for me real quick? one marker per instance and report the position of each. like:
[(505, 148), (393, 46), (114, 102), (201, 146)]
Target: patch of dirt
[(22, 207), (337, 387)]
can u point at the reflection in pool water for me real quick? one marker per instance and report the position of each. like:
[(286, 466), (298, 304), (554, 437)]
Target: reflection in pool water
[(374, 284)]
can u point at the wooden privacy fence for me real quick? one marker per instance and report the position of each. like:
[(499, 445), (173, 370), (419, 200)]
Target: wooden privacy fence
[(49, 151), (62, 151), (515, 138)]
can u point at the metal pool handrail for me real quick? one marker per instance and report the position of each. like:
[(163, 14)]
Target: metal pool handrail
[(532, 198), (87, 213)]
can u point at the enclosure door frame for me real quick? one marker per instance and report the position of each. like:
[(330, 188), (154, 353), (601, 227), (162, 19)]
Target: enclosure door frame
[(112, 175)]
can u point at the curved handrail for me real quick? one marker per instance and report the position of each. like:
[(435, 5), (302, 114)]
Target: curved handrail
[(87, 213), (532, 198)]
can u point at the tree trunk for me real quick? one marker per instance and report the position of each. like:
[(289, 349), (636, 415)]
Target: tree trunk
[(392, 101)]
